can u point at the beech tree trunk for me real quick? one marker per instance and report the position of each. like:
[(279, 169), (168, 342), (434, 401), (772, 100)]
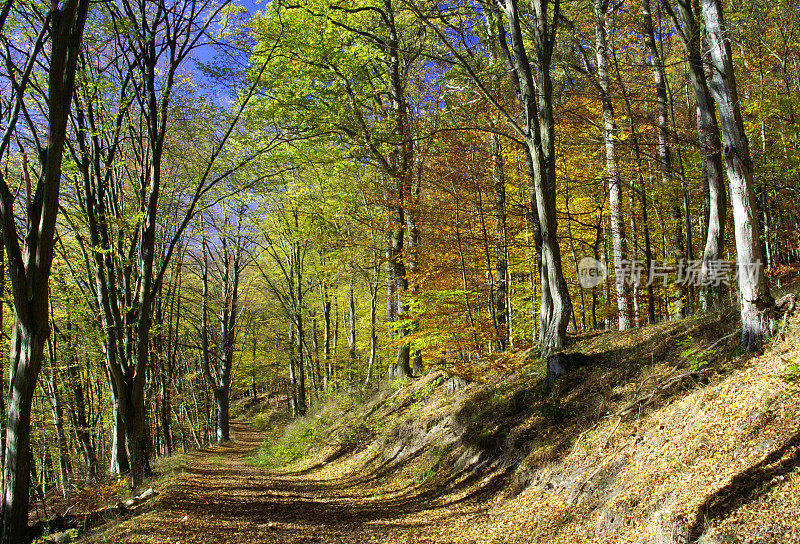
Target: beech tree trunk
[(754, 296), (687, 23), (614, 191), (535, 90), (398, 166), (222, 397)]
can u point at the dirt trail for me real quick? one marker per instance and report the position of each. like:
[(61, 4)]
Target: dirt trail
[(220, 498)]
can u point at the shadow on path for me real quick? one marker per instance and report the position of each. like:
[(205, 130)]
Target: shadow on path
[(220, 498)]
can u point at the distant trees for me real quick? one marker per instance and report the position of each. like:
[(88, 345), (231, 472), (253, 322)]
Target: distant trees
[(227, 245)]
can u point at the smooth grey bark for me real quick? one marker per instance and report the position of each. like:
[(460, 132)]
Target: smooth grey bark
[(222, 397), (710, 145), (618, 240), (293, 381), (314, 357), (30, 256), (574, 254), (755, 300)]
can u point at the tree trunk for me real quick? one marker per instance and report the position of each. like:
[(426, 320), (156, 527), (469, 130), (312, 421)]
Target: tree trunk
[(351, 338), (326, 343), (298, 316), (222, 396), (26, 360), (31, 260), (614, 191), (535, 91), (664, 151), (295, 400), (2, 369), (135, 433), (373, 309), (754, 296), (119, 456)]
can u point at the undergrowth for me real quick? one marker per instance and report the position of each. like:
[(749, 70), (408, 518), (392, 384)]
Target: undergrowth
[(328, 423), (272, 419)]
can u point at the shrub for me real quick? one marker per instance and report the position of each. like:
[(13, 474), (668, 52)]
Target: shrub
[(295, 444)]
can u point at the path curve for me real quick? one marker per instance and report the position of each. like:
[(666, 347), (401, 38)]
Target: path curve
[(221, 498)]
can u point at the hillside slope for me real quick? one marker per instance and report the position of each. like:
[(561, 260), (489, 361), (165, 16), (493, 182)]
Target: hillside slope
[(673, 435)]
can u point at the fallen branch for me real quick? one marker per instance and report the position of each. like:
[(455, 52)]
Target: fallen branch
[(664, 387), (703, 349), (786, 304), (608, 438), (84, 522)]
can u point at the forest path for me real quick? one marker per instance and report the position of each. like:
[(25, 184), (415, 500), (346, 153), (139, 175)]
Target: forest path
[(221, 498)]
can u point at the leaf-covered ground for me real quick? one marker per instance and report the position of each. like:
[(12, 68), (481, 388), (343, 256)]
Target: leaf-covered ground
[(620, 459), (222, 498)]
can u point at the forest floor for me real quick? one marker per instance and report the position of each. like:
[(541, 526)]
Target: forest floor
[(221, 497), (673, 435)]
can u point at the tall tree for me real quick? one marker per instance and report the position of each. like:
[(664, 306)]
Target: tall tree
[(754, 297), (530, 69), (226, 250), (688, 26), (53, 47), (145, 61), (601, 80)]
